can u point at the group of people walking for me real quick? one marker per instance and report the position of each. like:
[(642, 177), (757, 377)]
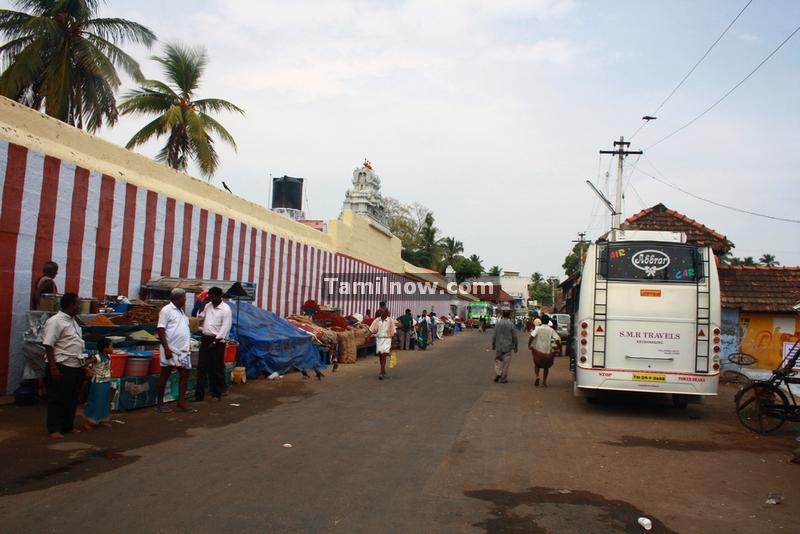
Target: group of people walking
[(412, 332), (68, 364), (543, 342)]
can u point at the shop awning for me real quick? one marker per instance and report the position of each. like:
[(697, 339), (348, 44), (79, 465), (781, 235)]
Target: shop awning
[(245, 291)]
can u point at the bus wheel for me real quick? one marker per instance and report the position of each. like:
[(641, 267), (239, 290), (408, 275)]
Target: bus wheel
[(680, 402)]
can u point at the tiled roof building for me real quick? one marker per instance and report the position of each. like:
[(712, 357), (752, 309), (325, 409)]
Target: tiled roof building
[(760, 289), (661, 218)]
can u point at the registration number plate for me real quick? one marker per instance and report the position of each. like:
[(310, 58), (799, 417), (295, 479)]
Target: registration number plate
[(649, 377)]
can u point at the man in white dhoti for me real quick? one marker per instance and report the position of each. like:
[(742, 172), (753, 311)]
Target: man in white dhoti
[(384, 329)]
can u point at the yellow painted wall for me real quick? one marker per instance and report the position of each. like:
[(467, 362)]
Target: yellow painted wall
[(763, 336), (352, 235)]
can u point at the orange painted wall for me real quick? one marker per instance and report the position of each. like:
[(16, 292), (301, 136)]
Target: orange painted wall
[(763, 336)]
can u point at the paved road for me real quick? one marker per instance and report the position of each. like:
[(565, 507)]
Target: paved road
[(437, 448)]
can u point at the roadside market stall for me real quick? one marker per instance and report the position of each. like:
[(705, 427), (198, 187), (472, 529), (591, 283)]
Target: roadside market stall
[(270, 344)]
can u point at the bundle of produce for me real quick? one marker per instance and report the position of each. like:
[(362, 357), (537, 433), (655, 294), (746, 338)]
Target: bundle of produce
[(142, 335), (328, 336), (361, 333), (138, 315), (307, 327), (310, 306), (300, 318), (100, 320), (329, 319), (347, 347)]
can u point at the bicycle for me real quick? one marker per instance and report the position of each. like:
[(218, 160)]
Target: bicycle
[(731, 376), (762, 406)]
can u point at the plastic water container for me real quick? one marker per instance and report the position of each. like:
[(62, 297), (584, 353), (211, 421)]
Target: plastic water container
[(118, 361), (230, 352), (155, 362), (137, 366)]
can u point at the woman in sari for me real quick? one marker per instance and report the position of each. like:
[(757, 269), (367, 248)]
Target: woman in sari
[(423, 331)]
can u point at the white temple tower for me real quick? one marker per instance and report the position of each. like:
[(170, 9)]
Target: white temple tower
[(364, 198)]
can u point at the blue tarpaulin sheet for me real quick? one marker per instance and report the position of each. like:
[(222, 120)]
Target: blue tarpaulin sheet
[(269, 344)]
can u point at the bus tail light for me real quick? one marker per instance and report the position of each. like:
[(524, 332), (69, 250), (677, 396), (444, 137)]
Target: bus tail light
[(584, 325), (716, 366), (716, 348), (584, 341), (583, 359), (717, 331)]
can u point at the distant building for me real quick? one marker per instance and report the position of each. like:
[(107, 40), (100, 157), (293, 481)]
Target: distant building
[(516, 286)]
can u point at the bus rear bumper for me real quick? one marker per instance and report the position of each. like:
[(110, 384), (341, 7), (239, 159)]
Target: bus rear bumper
[(647, 382)]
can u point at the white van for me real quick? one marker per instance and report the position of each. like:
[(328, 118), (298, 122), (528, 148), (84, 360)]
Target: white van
[(648, 317), (562, 324)]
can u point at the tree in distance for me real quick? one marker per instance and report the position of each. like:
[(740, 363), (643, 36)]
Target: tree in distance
[(61, 58), (184, 119), (450, 247), (768, 260), (574, 260)]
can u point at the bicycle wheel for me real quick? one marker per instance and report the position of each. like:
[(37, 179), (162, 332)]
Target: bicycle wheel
[(761, 407), (740, 358), (734, 377)]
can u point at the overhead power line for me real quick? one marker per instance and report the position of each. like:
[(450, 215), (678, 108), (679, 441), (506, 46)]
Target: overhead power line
[(731, 90), (686, 77), (714, 202)]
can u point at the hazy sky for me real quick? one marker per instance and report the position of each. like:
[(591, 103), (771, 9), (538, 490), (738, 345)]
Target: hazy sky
[(491, 113)]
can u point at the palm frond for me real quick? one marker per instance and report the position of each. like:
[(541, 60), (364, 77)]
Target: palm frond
[(160, 87), (93, 61), (116, 56), (201, 143), (24, 72), (184, 66), (173, 117), (216, 105), (211, 124), (144, 102), (98, 105), (120, 30), (154, 128), (10, 50), (14, 23)]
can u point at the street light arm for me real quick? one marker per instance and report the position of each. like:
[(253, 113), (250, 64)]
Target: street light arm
[(603, 198)]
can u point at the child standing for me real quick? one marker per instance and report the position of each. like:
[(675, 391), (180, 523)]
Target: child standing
[(97, 410)]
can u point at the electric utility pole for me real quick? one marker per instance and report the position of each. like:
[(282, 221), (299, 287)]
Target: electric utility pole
[(581, 240), (621, 153)]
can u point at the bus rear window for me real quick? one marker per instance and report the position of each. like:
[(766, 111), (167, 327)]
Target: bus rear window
[(651, 262)]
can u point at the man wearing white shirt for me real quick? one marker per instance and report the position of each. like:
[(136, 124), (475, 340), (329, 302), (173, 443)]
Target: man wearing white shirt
[(63, 343), (175, 337), (217, 319)]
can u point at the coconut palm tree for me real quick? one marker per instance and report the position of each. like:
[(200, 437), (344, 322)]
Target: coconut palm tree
[(768, 260), (183, 118), (60, 58), (450, 247)]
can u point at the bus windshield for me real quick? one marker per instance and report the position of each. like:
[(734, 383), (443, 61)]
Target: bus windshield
[(649, 262)]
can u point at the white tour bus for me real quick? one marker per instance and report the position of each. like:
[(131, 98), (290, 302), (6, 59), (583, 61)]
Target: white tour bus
[(648, 317)]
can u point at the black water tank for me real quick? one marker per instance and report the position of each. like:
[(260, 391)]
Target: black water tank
[(287, 192)]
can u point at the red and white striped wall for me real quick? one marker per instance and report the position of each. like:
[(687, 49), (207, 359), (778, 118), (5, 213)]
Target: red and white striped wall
[(109, 237)]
